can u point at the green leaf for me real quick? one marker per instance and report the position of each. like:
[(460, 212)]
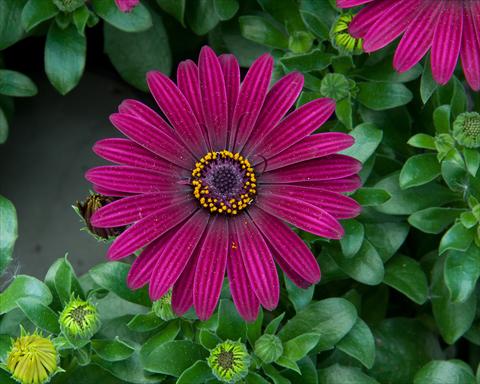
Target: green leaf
[(371, 196), (112, 350), (419, 170), (337, 374), (198, 373), (427, 85), (452, 319), (435, 219), (380, 96), (80, 18), (445, 372), (62, 281), (230, 324), (299, 297), (343, 110), (472, 160), (208, 339), (134, 54), (201, 16), (262, 31), (272, 327), (367, 138), (11, 29), (254, 329), (366, 266), (145, 322), (113, 276), (456, 238), (441, 119), (166, 334), (406, 275), (286, 12), (8, 222), (137, 20), (226, 9), (387, 237), (352, 241), (65, 52), (406, 202), (331, 318), (316, 60), (175, 8), (298, 347), (318, 16), (23, 286), (174, 357), (384, 72), (359, 344), (39, 314), (3, 130), (461, 272), (36, 12), (16, 84), (422, 140)]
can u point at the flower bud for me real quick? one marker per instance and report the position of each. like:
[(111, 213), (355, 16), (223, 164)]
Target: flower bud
[(68, 5), (341, 37), (79, 319), (268, 348), (335, 85), (163, 307), (229, 361), (300, 42), (466, 129)]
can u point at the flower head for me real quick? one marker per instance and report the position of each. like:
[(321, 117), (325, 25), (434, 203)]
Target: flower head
[(210, 191), (466, 129), (32, 358), (79, 319), (229, 361), (341, 37), (126, 5), (424, 25)]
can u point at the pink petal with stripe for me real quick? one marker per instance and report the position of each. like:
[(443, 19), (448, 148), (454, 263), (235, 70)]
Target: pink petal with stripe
[(178, 111), (257, 260), (189, 83), (417, 38), (296, 279), (250, 100), (231, 74), (182, 292), (339, 206), (244, 298), (176, 254), (388, 27), (162, 142), (109, 192), (145, 113), (368, 15), (347, 184), (298, 124), (211, 265), (324, 168), (301, 214), (214, 98), (277, 103), (447, 42), (470, 51), (293, 251), (141, 269), (143, 232), (351, 3), (311, 147), (134, 208)]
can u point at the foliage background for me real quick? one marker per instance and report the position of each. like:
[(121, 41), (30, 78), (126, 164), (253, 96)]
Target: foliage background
[(398, 298)]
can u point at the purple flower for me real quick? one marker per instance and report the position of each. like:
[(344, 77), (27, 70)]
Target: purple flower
[(448, 28), (211, 190), (126, 5)]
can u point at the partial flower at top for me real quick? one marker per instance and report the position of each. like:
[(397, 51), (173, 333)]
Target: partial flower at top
[(211, 191), (126, 5), (448, 28)]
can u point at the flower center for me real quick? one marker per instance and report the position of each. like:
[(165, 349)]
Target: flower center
[(79, 314), (225, 360), (224, 182), (466, 129)]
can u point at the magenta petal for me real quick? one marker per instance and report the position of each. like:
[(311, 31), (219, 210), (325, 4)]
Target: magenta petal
[(210, 270), (250, 100), (126, 5), (189, 84), (470, 51), (143, 232), (339, 206), (287, 270), (417, 38), (297, 125), (162, 142), (214, 98), (324, 168), (447, 42), (293, 251), (311, 147), (176, 254), (347, 184), (109, 192), (277, 103), (134, 208), (130, 179), (127, 152), (143, 112), (244, 298), (301, 214), (178, 111), (351, 3), (367, 16), (258, 261), (142, 267), (182, 291), (393, 22), (231, 74)]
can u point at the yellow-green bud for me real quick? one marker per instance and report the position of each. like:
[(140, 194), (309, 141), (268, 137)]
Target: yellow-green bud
[(268, 348), (229, 361), (300, 41), (341, 37), (79, 319)]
